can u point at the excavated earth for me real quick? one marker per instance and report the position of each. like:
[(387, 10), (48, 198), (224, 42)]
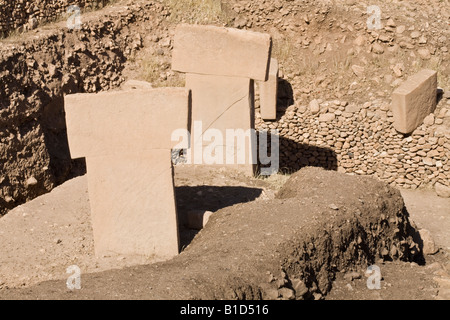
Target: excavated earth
[(321, 223), (314, 240)]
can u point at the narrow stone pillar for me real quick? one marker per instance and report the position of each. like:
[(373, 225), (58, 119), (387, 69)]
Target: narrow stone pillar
[(223, 121), (268, 93)]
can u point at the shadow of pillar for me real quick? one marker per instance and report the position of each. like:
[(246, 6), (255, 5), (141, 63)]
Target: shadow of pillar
[(208, 198), (285, 97), (294, 156), (54, 123)]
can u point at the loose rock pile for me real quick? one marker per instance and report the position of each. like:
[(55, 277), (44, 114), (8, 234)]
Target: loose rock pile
[(26, 14)]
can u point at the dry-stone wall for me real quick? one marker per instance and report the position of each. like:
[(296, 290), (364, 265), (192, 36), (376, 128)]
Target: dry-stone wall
[(361, 139), (15, 14)]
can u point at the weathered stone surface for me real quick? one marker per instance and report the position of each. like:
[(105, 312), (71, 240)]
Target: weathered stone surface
[(125, 122), (442, 190), (428, 244), (133, 205), (358, 70), (429, 120), (126, 139), (377, 48), (327, 117), (221, 104), (268, 93), (314, 106), (197, 219), (414, 100), (211, 50)]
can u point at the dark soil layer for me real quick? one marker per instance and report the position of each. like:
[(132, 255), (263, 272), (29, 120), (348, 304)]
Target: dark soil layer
[(286, 248)]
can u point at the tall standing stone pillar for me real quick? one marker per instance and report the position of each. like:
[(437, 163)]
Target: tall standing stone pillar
[(125, 137)]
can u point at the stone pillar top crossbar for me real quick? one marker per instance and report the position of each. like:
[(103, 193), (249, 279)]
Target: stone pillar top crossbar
[(125, 122), (211, 50)]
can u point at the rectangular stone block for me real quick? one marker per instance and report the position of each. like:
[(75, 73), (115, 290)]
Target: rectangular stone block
[(211, 50), (131, 122), (222, 106), (414, 100), (268, 93), (133, 205)]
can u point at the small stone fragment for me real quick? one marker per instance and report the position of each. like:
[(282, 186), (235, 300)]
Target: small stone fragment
[(428, 245)]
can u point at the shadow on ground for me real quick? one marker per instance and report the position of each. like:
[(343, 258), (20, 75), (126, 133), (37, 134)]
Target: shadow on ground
[(294, 155), (208, 198), (285, 97)]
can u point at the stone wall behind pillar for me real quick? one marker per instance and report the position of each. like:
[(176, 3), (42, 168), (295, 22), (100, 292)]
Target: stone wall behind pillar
[(360, 139)]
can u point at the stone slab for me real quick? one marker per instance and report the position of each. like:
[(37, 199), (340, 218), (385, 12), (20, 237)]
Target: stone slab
[(211, 50), (268, 93), (220, 103), (133, 205), (414, 100), (132, 122)]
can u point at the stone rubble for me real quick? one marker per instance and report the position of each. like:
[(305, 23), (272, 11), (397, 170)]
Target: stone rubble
[(27, 14)]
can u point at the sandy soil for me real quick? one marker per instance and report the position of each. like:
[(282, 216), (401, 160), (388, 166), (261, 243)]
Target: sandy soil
[(42, 238), (430, 212)]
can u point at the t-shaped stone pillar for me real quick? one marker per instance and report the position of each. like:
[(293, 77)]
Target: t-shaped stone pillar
[(126, 139), (221, 64)]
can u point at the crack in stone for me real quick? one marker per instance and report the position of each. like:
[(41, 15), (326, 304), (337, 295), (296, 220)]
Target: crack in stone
[(233, 104)]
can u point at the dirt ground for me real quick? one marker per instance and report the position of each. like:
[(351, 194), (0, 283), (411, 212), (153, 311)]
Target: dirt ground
[(45, 236), (48, 234), (42, 238), (430, 212), (409, 281)]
